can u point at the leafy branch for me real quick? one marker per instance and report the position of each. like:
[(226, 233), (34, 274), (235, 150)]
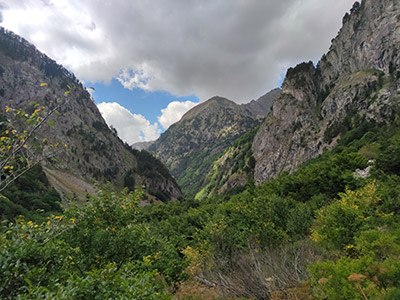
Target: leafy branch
[(18, 152)]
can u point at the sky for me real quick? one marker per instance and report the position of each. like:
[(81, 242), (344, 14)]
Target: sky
[(151, 61)]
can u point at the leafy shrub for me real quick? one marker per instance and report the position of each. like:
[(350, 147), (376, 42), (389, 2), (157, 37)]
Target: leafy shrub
[(366, 240), (99, 251)]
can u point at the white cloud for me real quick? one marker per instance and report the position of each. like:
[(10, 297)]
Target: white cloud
[(174, 112), (232, 48), (131, 79), (131, 127)]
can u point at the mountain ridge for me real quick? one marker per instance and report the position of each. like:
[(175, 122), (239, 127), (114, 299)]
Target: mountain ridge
[(189, 146), (355, 79), (319, 104), (94, 151)]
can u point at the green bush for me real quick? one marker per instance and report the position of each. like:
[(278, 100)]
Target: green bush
[(98, 251)]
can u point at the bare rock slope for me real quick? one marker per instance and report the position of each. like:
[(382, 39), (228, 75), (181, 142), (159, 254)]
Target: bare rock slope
[(357, 80)]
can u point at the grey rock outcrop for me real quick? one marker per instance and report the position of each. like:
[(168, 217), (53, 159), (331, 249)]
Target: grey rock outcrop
[(357, 78), (262, 106)]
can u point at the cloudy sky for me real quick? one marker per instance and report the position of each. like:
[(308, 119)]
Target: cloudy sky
[(150, 61)]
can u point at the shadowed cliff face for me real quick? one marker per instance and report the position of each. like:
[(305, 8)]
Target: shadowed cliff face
[(356, 81), (93, 150)]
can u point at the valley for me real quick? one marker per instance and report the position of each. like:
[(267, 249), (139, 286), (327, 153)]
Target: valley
[(295, 195)]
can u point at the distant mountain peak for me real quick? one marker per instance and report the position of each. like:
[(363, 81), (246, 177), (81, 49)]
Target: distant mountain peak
[(190, 146), (208, 106), (262, 106)]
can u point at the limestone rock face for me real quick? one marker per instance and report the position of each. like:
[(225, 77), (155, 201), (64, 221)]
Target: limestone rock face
[(93, 151), (357, 79), (368, 39)]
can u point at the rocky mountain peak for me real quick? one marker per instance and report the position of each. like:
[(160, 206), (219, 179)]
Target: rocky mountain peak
[(208, 107), (356, 81), (262, 106), (368, 39), (190, 146)]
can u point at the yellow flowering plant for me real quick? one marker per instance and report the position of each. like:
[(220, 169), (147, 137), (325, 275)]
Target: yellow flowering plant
[(20, 147)]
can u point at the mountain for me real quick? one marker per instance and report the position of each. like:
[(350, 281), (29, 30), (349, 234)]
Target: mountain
[(189, 147), (355, 83), (233, 169), (142, 145), (93, 151), (262, 106)]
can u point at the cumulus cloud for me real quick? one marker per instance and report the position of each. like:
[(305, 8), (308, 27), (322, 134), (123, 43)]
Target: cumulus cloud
[(236, 49), (131, 127), (174, 112)]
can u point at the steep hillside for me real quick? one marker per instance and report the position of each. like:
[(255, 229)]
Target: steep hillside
[(233, 169), (355, 82), (190, 146), (93, 150)]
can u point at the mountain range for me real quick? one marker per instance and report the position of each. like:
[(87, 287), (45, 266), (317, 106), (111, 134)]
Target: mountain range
[(292, 196), (355, 82), (190, 146)]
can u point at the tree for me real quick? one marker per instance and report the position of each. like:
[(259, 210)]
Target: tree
[(20, 147)]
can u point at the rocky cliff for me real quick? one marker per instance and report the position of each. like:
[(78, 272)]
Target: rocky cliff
[(93, 150), (262, 106), (357, 81), (190, 146)]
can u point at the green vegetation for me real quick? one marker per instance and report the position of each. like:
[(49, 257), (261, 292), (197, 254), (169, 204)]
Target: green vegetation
[(196, 164), (323, 231), (236, 160), (99, 251), (322, 225), (151, 168), (30, 195)]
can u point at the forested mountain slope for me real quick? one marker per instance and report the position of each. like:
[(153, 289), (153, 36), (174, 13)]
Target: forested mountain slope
[(189, 146), (92, 150)]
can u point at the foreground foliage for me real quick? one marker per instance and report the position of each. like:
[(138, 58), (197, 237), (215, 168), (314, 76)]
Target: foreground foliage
[(324, 231), (95, 252)]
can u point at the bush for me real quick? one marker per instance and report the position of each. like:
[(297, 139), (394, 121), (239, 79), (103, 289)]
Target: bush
[(99, 251)]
